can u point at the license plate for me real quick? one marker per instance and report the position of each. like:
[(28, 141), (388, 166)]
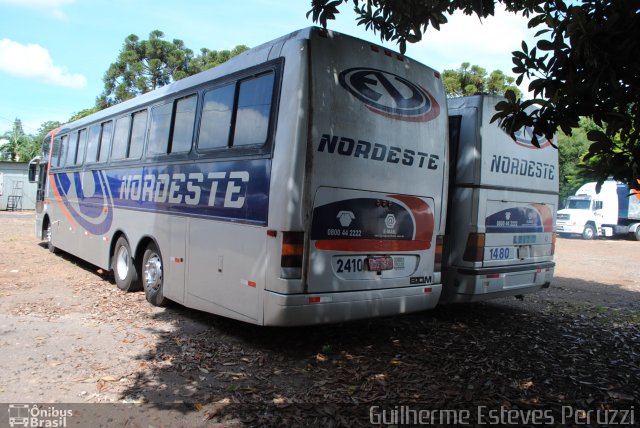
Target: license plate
[(378, 264)]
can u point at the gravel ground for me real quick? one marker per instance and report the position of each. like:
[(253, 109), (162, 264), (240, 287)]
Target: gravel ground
[(68, 335)]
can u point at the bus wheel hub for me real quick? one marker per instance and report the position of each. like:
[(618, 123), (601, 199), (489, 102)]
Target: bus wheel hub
[(153, 272)]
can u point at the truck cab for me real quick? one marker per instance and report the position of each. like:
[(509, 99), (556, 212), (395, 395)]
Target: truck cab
[(587, 211)]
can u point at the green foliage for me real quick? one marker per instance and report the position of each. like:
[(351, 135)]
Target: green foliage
[(585, 63), (19, 146), (571, 151), (23, 147), (42, 133), (144, 65), (588, 65), (86, 112), (471, 79), (141, 66), (209, 59)]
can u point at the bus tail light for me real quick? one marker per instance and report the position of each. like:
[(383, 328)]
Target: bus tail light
[(553, 243), (439, 248), (292, 252), (474, 251)]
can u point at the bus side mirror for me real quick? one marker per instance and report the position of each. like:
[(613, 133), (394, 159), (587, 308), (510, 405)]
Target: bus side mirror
[(33, 165), (32, 173), (598, 205)]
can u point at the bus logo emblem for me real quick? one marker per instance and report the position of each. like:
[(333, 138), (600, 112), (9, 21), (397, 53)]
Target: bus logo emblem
[(345, 218), (390, 221), (390, 95), (524, 136)]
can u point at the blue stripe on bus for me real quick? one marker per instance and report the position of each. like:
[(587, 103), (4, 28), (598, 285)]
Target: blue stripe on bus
[(232, 190), (515, 220)]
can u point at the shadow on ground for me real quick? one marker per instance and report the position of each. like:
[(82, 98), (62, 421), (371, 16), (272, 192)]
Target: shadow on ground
[(543, 353)]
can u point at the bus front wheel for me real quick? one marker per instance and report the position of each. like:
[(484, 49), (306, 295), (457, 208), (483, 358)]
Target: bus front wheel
[(152, 275), (48, 235), (124, 268)]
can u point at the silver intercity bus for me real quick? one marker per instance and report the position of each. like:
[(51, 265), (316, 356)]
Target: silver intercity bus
[(301, 182), (503, 198)]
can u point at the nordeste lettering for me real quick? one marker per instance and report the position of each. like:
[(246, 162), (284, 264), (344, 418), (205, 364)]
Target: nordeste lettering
[(180, 188), (345, 146), (523, 167)]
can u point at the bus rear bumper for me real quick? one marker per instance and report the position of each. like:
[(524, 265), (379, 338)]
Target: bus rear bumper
[(326, 308), (474, 285)]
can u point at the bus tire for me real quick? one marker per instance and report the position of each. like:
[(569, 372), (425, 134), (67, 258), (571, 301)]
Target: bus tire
[(636, 235), (589, 232), (152, 275), (48, 235), (124, 267)]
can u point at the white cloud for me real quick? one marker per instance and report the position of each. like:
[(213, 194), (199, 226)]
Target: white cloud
[(487, 43), (34, 62), (54, 7)]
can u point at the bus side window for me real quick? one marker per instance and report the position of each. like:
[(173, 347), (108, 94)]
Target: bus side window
[(64, 148), (82, 144), (120, 138), (105, 139), (72, 149), (55, 151), (216, 118), (253, 111), (138, 129), (159, 129), (183, 124), (93, 144)]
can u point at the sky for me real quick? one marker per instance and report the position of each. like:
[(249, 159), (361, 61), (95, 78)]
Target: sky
[(54, 53)]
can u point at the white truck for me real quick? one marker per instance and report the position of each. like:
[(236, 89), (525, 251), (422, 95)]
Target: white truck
[(503, 197), (615, 210)]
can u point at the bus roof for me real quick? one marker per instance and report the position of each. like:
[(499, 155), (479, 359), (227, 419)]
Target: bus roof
[(254, 56)]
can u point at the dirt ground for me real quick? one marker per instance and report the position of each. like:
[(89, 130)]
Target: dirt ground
[(68, 335)]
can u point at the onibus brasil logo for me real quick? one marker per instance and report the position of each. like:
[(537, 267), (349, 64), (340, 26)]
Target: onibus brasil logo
[(26, 415)]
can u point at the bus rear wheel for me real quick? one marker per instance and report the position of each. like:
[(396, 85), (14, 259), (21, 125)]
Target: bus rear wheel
[(152, 275), (124, 268)]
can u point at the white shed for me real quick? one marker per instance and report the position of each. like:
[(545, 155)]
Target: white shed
[(16, 193)]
